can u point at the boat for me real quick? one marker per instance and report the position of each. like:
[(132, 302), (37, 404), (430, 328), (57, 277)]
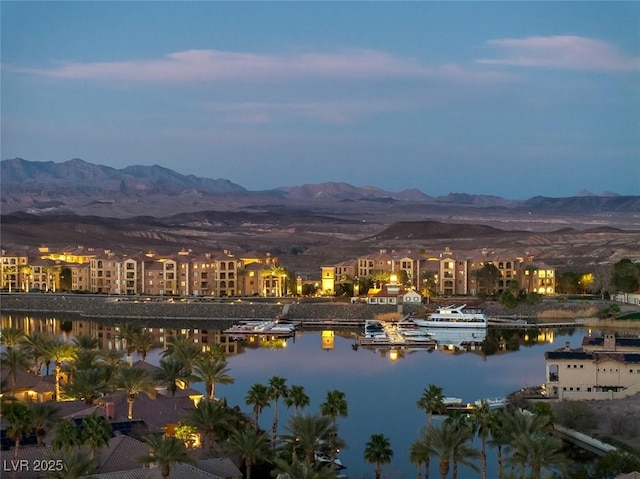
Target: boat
[(493, 403), (453, 316), (410, 328), (451, 401)]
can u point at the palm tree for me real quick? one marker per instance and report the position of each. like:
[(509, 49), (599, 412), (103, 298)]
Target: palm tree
[(431, 401), (212, 370), (66, 435), (126, 332), (143, 341), (449, 442), (76, 466), (481, 423), (378, 451), (309, 433), (184, 350), (171, 372), (59, 351), (9, 273), (297, 398), (18, 418), (86, 384), (25, 272), (537, 451), (250, 446), (212, 419), (499, 435), (134, 382), (165, 451), (37, 344), (419, 454), (11, 337), (305, 469), (44, 415), (86, 342), (111, 363), (277, 388), (14, 360), (334, 406), (258, 397), (96, 432)]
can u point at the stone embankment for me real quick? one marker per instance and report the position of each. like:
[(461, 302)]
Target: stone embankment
[(193, 309)]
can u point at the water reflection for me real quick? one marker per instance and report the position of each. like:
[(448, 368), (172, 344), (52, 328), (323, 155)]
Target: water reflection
[(381, 384)]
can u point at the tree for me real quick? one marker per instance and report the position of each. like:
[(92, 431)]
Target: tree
[(308, 434), (26, 272), (431, 401), (305, 469), (59, 351), (334, 406), (86, 342), (277, 388), (36, 344), (250, 446), (165, 451), (212, 419), (481, 424), (96, 432), (18, 418), (11, 337), (537, 451), (448, 442), (142, 342), (14, 360), (212, 370), (378, 451), (66, 436), (297, 398), (171, 372), (488, 276), (86, 384), (625, 276), (76, 466), (429, 284), (258, 397), (186, 352), (126, 333), (44, 415), (134, 381)]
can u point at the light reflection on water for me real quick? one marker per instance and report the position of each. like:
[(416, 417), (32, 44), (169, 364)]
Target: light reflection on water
[(381, 386)]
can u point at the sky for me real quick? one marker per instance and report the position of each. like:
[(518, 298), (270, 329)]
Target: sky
[(514, 99)]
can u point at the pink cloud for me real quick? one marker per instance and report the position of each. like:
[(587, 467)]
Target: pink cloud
[(564, 52)]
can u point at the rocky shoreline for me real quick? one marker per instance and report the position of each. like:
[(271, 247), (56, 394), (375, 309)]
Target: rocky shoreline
[(114, 307)]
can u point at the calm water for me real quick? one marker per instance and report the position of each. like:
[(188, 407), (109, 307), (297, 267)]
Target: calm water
[(382, 391)]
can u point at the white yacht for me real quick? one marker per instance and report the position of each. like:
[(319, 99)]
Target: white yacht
[(455, 317)]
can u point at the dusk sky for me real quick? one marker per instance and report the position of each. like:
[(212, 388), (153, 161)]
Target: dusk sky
[(506, 98)]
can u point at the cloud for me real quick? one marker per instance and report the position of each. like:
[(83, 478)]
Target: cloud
[(216, 65), (338, 112), (210, 65), (563, 52)]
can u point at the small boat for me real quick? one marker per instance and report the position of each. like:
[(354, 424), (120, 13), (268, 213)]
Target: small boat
[(451, 401)]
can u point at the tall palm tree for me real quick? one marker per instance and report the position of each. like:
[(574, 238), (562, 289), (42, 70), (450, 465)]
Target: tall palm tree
[(212, 419), (334, 406), (18, 418), (537, 451), (250, 446), (96, 432), (171, 372), (165, 451), (14, 360), (297, 398), (60, 352), (308, 433), (212, 370), (134, 382), (277, 388), (25, 273), (481, 423), (499, 436), (44, 414), (126, 332), (419, 454), (378, 451), (431, 402), (111, 363), (9, 273), (258, 398)]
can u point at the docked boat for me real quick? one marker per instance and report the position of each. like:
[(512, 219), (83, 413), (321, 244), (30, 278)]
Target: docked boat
[(451, 401), (455, 317), (493, 403), (410, 328)]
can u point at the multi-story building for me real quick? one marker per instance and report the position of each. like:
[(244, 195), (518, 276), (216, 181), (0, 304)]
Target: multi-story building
[(13, 264), (602, 368)]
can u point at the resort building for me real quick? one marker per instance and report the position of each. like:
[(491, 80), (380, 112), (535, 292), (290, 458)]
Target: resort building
[(602, 368)]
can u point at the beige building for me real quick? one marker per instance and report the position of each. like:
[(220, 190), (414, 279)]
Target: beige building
[(602, 368)]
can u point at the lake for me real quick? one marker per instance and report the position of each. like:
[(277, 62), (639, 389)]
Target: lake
[(381, 385)]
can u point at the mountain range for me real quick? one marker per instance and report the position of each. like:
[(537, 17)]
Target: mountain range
[(76, 184)]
